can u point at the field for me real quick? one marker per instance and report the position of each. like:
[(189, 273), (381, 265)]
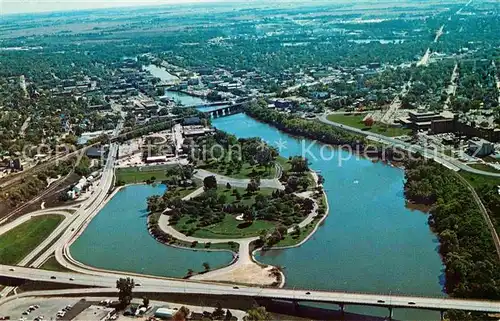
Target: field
[(246, 171), (477, 180), (52, 265), (356, 121), (131, 175), (229, 227), (20, 241), (484, 167)]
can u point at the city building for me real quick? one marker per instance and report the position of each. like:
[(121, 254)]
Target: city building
[(480, 147)]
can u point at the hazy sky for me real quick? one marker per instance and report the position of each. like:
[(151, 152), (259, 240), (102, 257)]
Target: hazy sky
[(18, 6)]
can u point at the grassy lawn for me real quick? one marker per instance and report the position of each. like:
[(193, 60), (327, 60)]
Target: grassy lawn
[(357, 122), (20, 241), (52, 265), (485, 168), (477, 180), (228, 228), (246, 171), (245, 199), (290, 240), (131, 175)]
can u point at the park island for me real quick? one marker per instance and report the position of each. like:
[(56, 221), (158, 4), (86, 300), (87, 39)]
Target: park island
[(247, 201)]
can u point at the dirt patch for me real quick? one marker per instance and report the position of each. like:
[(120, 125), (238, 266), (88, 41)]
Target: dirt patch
[(243, 274)]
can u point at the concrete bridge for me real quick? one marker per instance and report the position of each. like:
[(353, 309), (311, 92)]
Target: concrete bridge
[(225, 111), (210, 104), (106, 280)]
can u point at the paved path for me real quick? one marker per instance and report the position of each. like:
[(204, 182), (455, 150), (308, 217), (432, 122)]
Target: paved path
[(235, 182)]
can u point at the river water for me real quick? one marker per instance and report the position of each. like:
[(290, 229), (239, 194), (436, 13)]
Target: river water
[(370, 241), (117, 239)]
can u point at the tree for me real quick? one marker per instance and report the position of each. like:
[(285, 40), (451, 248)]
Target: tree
[(125, 287), (229, 315), (228, 186), (190, 273), (218, 313), (182, 314), (210, 182), (253, 186), (257, 314), (145, 301), (206, 266), (299, 164), (321, 180)]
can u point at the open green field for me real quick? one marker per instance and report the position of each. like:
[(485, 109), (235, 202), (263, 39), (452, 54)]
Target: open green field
[(130, 175), (245, 199), (246, 171), (227, 229), (290, 239), (52, 265), (484, 167), (478, 180), (21, 240), (357, 122)]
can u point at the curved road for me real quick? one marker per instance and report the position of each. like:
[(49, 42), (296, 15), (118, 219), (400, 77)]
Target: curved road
[(445, 160)]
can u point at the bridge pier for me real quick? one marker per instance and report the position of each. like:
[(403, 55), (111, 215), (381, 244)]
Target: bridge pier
[(342, 313), (296, 305), (390, 313), (441, 315)]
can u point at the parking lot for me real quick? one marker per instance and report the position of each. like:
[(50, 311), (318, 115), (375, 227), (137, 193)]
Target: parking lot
[(48, 307)]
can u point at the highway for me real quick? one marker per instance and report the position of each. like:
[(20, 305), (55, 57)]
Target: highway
[(73, 224), (164, 285), (443, 159)]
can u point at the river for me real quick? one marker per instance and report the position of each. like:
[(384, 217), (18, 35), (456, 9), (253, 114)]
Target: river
[(117, 239), (370, 241), (161, 73)]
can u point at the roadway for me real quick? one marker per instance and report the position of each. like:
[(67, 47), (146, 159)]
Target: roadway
[(82, 216), (443, 159), (164, 285)]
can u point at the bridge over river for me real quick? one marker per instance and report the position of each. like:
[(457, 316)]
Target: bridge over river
[(150, 284)]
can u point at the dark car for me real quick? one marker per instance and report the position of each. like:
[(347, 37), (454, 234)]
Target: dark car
[(308, 293), (53, 277), (411, 303), (235, 287), (380, 301)]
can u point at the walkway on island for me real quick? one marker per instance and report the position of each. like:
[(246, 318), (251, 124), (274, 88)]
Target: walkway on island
[(244, 270)]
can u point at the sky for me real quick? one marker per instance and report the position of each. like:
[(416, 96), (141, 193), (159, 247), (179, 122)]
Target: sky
[(32, 6)]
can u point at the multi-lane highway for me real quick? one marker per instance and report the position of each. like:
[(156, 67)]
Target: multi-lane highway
[(74, 223), (163, 285)]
